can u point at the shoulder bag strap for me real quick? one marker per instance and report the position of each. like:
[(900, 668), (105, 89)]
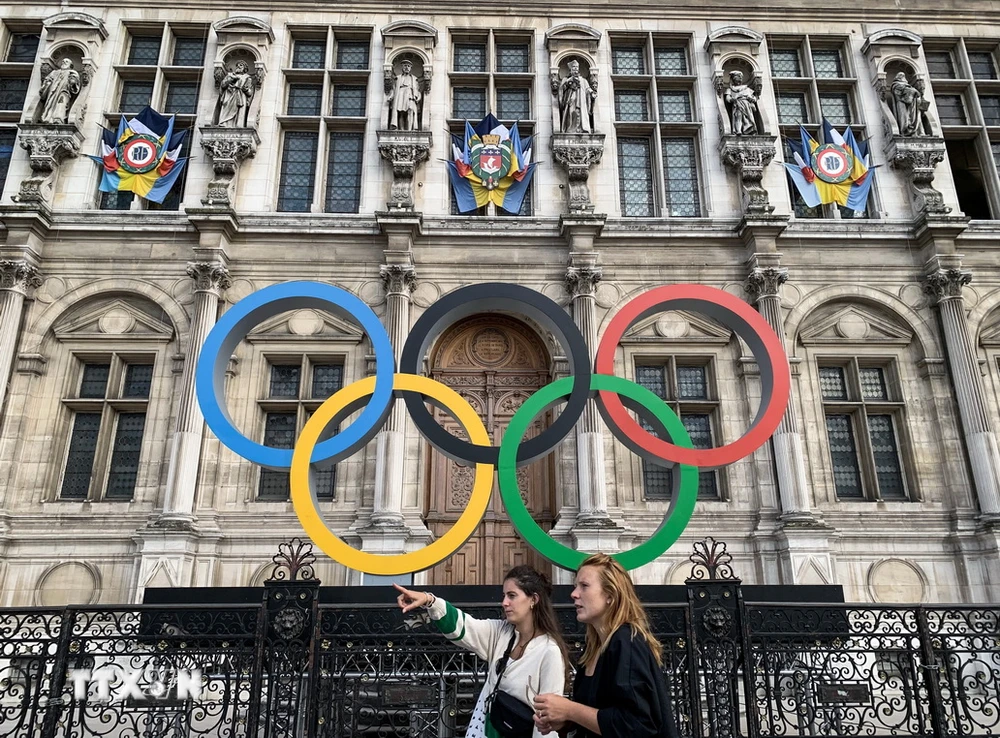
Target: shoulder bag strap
[(501, 668)]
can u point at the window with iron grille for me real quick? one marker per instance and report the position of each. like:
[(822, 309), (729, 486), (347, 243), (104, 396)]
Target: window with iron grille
[(792, 108), (864, 415), (136, 94), (835, 107), (675, 106), (182, 98), (305, 99), (349, 100), (628, 60), (631, 105), (990, 105), (13, 91), (513, 104), (686, 389), (188, 52), (352, 55), (680, 177), (951, 110), (309, 54), (826, 63), (670, 60), (940, 64), (635, 177), (470, 57), (785, 63), (982, 65), (23, 47), (109, 410), (298, 171), (469, 103), (343, 173), (295, 392), (512, 58), (144, 50)]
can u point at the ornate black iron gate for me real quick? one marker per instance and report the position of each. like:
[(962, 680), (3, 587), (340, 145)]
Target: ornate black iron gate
[(294, 666)]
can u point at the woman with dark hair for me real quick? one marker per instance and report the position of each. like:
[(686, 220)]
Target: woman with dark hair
[(619, 691), (525, 650)]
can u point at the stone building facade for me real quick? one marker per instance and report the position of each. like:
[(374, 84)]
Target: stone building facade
[(884, 475)]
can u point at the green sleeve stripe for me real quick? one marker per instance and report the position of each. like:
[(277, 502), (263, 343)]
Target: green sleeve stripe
[(449, 622)]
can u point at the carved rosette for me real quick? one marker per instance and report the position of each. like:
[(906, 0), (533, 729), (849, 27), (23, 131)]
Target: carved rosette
[(582, 281), (916, 158), (18, 276), (398, 279), (946, 284), (209, 277), (578, 153), (405, 151), (748, 156), (228, 149), (765, 282), (48, 146)]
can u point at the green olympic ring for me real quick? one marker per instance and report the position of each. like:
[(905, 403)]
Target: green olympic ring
[(681, 504)]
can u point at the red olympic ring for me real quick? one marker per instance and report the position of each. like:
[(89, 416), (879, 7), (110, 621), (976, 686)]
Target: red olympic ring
[(736, 315)]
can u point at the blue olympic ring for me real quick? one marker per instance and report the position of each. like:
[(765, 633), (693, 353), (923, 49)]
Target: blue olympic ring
[(233, 326)]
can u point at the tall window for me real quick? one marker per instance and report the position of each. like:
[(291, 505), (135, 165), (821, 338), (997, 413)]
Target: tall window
[(864, 413), (163, 68), (20, 44), (655, 126), (686, 388), (324, 121), (296, 388), (492, 73), (813, 79), (967, 97), (109, 417)]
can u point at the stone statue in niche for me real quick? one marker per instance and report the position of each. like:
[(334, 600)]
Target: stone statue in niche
[(59, 91), (405, 97), (741, 101), (908, 105), (576, 97), (236, 90)]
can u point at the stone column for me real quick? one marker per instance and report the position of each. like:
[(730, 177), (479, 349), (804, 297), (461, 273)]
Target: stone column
[(581, 282), (211, 279), (16, 279), (390, 442), (763, 285), (945, 285)]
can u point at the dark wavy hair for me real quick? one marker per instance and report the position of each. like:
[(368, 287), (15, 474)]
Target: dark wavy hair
[(532, 582)]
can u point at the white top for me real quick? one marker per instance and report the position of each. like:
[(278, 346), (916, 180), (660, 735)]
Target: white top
[(541, 663)]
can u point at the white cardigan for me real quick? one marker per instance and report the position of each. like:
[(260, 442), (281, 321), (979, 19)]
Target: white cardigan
[(542, 661)]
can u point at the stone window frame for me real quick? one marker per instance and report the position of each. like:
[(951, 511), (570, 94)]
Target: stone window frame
[(326, 126), (110, 406), (657, 128), (813, 86), (303, 405), (858, 408), (13, 70), (491, 80), (985, 139), (161, 75)]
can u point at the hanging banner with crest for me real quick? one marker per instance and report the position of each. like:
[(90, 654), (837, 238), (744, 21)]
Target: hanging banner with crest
[(491, 163), (836, 171)]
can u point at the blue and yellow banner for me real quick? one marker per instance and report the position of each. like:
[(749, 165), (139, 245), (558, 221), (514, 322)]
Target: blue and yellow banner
[(836, 171), (490, 163), (143, 156)]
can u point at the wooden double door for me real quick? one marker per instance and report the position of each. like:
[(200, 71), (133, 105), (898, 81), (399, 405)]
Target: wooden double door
[(495, 362)]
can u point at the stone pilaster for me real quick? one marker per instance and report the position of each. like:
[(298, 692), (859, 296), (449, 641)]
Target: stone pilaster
[(211, 280), (17, 279), (399, 280), (944, 283), (763, 286)]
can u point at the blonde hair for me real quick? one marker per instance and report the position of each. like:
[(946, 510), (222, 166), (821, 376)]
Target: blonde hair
[(624, 609)]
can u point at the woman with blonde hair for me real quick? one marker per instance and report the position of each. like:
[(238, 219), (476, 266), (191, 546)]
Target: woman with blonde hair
[(619, 691)]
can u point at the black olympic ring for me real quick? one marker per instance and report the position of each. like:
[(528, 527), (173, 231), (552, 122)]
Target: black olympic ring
[(490, 297)]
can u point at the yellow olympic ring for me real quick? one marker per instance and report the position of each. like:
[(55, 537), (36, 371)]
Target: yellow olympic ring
[(304, 498)]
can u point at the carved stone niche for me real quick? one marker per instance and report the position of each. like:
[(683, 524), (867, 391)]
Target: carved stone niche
[(913, 141), (239, 70), (413, 41), (405, 151), (573, 46), (736, 49)]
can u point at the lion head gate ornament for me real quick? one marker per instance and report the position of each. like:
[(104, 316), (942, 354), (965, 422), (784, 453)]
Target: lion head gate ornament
[(374, 397)]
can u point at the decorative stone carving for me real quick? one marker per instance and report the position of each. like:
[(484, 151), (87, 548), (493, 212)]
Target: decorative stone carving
[(916, 158), (578, 153), (575, 96), (736, 77), (405, 151), (60, 89), (583, 280), (398, 278), (748, 156), (237, 87), (893, 56), (404, 94), (741, 102), (228, 149), (19, 276), (945, 284), (47, 146), (765, 282), (239, 70), (209, 276), (906, 104)]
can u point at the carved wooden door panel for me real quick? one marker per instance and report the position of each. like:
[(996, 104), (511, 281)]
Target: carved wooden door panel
[(496, 363)]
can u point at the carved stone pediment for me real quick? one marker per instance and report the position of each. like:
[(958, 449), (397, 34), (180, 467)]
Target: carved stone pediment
[(678, 325), (854, 324), (306, 325), (243, 28), (578, 36), (114, 317), (405, 151)]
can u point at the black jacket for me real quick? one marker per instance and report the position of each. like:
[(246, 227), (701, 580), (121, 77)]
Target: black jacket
[(628, 690)]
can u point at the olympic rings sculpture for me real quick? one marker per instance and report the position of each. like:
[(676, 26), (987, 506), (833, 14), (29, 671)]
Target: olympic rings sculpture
[(374, 396)]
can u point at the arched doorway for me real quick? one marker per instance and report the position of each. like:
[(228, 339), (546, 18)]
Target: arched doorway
[(495, 362)]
